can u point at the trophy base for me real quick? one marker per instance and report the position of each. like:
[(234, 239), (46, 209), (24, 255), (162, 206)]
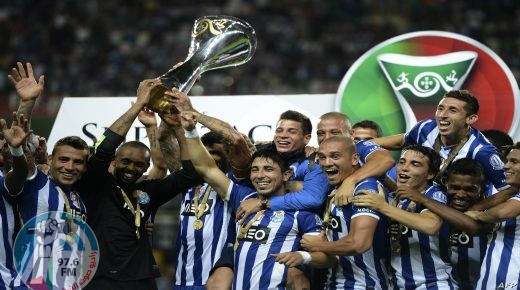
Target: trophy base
[(158, 103)]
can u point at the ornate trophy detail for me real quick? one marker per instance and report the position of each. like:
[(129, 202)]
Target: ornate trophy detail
[(216, 42)]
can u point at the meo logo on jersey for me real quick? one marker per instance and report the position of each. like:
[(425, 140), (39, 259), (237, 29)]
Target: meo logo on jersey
[(257, 235), (189, 208), (335, 224), (461, 239)]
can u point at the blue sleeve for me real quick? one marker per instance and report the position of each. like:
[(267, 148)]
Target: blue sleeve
[(312, 196), (368, 184), (309, 222), (392, 173), (364, 148), (238, 193), (493, 167), (412, 136), (437, 194)]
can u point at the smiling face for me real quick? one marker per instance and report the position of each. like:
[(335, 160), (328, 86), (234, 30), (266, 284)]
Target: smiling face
[(338, 159), (333, 126), (512, 167), (412, 169), (464, 191), (453, 120), (130, 164), (289, 136), (67, 164), (267, 177)]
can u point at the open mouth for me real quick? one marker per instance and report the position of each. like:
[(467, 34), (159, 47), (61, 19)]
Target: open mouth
[(443, 125), (403, 178)]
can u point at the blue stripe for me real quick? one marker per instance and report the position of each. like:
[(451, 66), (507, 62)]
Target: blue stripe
[(488, 261), (406, 263), (505, 258), (7, 240)]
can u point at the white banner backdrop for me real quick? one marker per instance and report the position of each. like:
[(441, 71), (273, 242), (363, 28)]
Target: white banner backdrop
[(254, 115)]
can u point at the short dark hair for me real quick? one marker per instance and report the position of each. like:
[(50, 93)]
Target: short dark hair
[(434, 159), (499, 139), (211, 138), (135, 144), (471, 101), (509, 148), (272, 154), (72, 141), (369, 124), (298, 117), (468, 166)]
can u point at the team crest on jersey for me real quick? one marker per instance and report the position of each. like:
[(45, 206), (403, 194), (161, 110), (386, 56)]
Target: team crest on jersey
[(278, 216), (143, 198), (461, 239), (496, 162), (439, 196)]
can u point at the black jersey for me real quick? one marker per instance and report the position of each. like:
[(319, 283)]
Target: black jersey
[(124, 256)]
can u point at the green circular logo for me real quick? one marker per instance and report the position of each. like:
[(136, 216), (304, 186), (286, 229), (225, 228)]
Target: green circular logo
[(400, 81)]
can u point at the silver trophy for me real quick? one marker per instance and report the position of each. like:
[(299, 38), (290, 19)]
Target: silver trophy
[(216, 42)]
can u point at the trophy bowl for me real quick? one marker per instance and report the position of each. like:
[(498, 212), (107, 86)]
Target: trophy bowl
[(216, 42)]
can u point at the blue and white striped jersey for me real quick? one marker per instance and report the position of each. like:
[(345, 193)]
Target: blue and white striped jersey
[(8, 276), (197, 251), (467, 253), (272, 232), (368, 270), (477, 148), (422, 261), (501, 266), (40, 195)]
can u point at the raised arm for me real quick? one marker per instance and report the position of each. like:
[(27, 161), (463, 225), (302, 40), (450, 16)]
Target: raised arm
[(124, 122), (169, 145), (27, 88), (201, 159), (238, 150), (15, 136), (149, 121)]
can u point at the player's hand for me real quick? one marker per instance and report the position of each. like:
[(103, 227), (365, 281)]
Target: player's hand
[(248, 207), (24, 82), (147, 118), (312, 243), (16, 135), (371, 200), (188, 120), (343, 194), (144, 90), (290, 259)]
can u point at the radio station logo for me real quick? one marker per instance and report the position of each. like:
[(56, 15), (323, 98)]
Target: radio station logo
[(56, 250), (401, 81)]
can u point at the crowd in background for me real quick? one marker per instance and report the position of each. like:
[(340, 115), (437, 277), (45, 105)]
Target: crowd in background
[(102, 48)]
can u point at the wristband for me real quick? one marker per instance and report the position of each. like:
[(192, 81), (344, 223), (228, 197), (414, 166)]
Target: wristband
[(15, 152), (191, 134), (306, 257)]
